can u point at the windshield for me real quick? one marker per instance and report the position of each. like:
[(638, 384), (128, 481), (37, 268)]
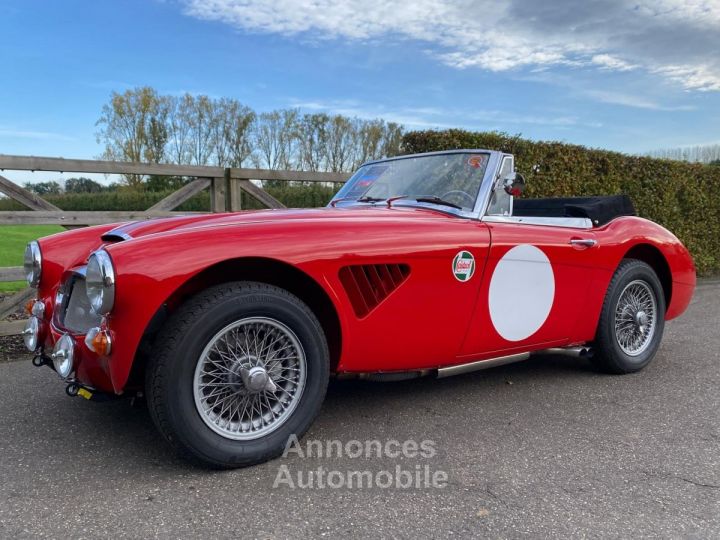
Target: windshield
[(451, 179)]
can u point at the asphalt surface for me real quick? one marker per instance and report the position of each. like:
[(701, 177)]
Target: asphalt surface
[(546, 447)]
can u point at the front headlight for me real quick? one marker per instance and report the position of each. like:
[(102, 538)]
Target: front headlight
[(33, 263), (100, 282)]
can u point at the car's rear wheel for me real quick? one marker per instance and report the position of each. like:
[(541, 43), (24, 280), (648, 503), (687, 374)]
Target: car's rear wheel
[(239, 369), (632, 319)]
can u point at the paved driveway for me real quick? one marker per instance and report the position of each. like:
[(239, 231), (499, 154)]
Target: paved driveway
[(545, 447)]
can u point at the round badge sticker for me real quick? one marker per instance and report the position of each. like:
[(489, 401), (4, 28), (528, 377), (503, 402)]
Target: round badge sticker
[(463, 266), (476, 161)]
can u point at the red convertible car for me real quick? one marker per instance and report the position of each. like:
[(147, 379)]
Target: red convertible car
[(429, 264)]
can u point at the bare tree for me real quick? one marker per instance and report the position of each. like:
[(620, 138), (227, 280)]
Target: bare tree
[(140, 125), (312, 135), (369, 141), (231, 130), (240, 133), (695, 154), (201, 117), (275, 139), (132, 127), (341, 143), (392, 140), (178, 125)]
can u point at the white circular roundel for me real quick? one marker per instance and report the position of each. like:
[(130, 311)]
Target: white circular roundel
[(522, 290)]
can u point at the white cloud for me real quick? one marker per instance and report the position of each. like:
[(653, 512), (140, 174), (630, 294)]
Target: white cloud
[(28, 134), (674, 39), (429, 117), (633, 100), (611, 62), (702, 78), (699, 12), (413, 117)]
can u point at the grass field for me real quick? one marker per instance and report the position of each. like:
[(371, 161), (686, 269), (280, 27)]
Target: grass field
[(13, 239)]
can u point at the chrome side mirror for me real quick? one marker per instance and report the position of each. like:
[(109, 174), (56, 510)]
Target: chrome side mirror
[(514, 184)]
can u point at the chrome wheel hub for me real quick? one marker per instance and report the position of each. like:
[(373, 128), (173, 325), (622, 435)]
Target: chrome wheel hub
[(249, 378), (635, 317), (256, 379)]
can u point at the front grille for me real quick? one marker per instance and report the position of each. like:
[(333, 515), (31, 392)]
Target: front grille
[(75, 314)]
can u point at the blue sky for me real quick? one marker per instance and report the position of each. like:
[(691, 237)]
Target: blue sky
[(625, 75)]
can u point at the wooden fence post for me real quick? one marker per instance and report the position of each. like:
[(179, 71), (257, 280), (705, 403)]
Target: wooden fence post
[(234, 193), (217, 195)]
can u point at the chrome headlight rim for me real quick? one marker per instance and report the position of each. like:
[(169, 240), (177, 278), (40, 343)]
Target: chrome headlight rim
[(63, 356), (32, 264), (31, 334), (100, 282)]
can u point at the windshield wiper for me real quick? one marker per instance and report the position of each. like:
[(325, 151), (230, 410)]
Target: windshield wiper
[(438, 200), (369, 199)]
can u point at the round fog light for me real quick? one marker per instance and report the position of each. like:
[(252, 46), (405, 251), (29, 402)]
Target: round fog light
[(63, 356), (30, 334)]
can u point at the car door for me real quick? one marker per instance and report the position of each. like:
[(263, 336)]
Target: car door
[(536, 279), (533, 289)]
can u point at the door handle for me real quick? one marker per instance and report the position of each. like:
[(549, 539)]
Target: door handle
[(585, 242)]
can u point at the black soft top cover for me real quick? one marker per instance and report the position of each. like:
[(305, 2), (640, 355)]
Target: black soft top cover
[(600, 210)]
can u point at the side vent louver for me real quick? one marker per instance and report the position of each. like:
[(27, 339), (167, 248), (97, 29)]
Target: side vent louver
[(369, 284)]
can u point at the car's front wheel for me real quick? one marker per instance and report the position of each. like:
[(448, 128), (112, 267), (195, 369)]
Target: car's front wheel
[(632, 319), (239, 369)]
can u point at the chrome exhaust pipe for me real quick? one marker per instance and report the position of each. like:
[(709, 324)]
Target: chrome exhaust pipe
[(578, 352)]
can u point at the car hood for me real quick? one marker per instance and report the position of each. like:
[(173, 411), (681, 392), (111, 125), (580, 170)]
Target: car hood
[(138, 229)]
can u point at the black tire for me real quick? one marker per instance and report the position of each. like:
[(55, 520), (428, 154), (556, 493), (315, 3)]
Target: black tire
[(608, 354), (170, 374)]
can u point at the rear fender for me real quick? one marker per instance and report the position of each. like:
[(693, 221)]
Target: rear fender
[(633, 237)]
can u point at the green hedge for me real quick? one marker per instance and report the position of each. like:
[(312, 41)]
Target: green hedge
[(293, 196), (683, 197)]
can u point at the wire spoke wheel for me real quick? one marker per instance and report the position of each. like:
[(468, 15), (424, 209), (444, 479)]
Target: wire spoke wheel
[(250, 378), (635, 317)]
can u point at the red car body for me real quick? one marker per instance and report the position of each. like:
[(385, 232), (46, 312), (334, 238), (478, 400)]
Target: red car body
[(409, 311)]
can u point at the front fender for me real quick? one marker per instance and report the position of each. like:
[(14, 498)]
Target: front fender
[(149, 270), (65, 250)]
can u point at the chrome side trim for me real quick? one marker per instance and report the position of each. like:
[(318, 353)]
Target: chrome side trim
[(566, 222), (481, 364), (383, 376)]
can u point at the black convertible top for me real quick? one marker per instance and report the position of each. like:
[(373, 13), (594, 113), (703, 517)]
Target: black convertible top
[(600, 210)]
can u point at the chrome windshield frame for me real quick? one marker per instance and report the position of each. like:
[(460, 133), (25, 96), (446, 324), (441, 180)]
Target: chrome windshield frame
[(481, 201)]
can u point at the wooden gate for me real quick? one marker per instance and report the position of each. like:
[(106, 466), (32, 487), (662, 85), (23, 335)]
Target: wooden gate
[(225, 185)]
